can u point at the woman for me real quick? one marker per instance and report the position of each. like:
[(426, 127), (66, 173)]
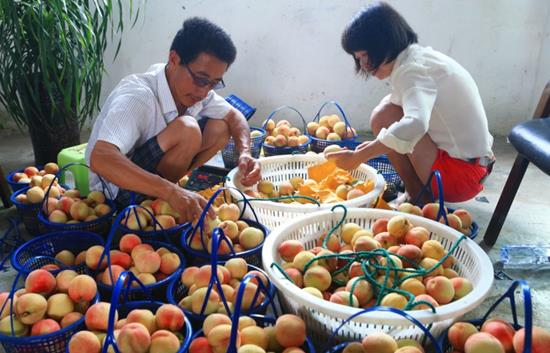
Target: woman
[(433, 118)]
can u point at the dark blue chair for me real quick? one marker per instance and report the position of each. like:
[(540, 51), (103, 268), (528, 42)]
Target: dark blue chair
[(531, 140)]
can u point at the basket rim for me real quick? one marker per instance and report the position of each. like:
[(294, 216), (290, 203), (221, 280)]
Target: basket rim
[(379, 184), (452, 310)]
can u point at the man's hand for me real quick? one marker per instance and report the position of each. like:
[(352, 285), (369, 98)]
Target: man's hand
[(188, 204), (249, 168), (345, 159)]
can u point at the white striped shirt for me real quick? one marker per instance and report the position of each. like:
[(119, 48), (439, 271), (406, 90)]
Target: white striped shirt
[(140, 107)]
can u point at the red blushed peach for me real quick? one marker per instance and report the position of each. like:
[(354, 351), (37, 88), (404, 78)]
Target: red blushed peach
[(50, 267), (219, 338), (394, 300), (199, 297), (430, 210), (80, 258), (41, 282), (462, 287), (200, 345), (459, 333), (147, 262), (44, 327), (4, 296), (303, 258), (289, 248), (295, 276), (361, 289), (453, 221), (360, 233), (120, 323), (226, 275), (441, 289), (355, 270), (318, 277), (115, 271), (82, 288), (424, 298), (214, 320), (465, 217), (144, 317), (398, 226), (97, 316), (169, 317), (202, 277), (365, 243), (63, 279), (238, 267), (411, 252), (188, 276), (93, 255), (120, 258), (540, 340), (483, 343), (30, 308), (502, 331), (342, 297), (164, 341), (84, 342), (385, 239), (70, 319), (134, 338), (290, 331), (169, 263), (417, 236), (139, 249), (379, 342), (379, 226), (250, 291), (128, 242)]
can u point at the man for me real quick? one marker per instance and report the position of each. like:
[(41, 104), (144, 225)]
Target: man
[(157, 126)]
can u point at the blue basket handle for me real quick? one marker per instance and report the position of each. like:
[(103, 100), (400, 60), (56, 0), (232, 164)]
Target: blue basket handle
[(527, 305), (427, 188), (232, 348), (200, 223), (391, 310), (120, 284), (270, 117), (348, 125)]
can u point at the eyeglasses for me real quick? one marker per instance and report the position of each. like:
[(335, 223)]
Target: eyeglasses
[(203, 82)]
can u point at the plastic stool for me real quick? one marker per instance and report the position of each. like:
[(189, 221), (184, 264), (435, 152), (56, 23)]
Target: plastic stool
[(75, 176)]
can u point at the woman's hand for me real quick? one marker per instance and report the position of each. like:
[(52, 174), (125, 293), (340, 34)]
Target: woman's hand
[(345, 159)]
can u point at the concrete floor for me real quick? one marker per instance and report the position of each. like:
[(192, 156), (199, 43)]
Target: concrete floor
[(527, 222)]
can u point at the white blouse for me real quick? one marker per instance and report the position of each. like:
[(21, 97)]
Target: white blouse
[(440, 98)]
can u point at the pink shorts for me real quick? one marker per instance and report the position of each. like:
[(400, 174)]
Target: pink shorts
[(461, 179)]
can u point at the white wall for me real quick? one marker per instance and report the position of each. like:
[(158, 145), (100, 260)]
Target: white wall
[(289, 51)]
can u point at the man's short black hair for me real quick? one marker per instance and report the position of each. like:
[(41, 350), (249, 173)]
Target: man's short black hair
[(199, 35), (379, 30)]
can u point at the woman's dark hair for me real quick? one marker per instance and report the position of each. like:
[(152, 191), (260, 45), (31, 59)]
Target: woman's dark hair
[(199, 35), (379, 30)]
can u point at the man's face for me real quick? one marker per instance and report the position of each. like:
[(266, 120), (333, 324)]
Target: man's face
[(190, 83), (382, 72)]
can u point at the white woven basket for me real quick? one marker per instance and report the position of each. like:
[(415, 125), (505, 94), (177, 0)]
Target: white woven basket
[(277, 169), (322, 316)]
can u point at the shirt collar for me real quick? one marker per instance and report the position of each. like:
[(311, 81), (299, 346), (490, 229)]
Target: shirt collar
[(401, 58), (167, 103)]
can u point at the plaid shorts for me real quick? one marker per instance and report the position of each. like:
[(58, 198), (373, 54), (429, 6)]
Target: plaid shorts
[(147, 157)]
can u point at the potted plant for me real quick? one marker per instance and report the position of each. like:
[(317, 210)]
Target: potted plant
[(51, 65)]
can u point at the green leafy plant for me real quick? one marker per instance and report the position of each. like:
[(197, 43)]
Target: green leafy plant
[(52, 64)]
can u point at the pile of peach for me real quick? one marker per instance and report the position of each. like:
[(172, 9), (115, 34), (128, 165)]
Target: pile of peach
[(72, 209), (141, 218), (47, 304), (149, 265), (460, 219), (38, 186), (495, 336), (142, 331), (331, 128), (392, 250), (197, 281), (238, 233), (31, 174), (283, 134), (288, 335), (381, 342)]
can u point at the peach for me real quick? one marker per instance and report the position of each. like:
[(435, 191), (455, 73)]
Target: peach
[(482, 342), (97, 316), (348, 230), (147, 261), (93, 255), (540, 340), (64, 204), (322, 132), (65, 257), (450, 273), (79, 211), (133, 338), (312, 127), (70, 319), (46, 180), (394, 300), (41, 282), (354, 193), (407, 207), (410, 349), (430, 264), (30, 308), (398, 226), (302, 259), (229, 212), (343, 297), (200, 345), (144, 317), (406, 342), (63, 279), (385, 239), (250, 290), (254, 335), (141, 248), (424, 298), (214, 320), (354, 347), (462, 287), (188, 276), (169, 263), (44, 327), (202, 277), (313, 291), (50, 267), (251, 237), (411, 252), (129, 242), (164, 341), (120, 258), (413, 286), (96, 196), (362, 290), (459, 333), (4, 296), (430, 210), (296, 276), (290, 331), (332, 136), (35, 194), (59, 305), (169, 317), (80, 258), (290, 248), (18, 176), (230, 229), (51, 168), (146, 279), (51, 206), (417, 236), (102, 210), (465, 217), (433, 249), (453, 221), (19, 328), (135, 221), (166, 221), (82, 288), (379, 342), (199, 297), (84, 342), (219, 338), (502, 331), (237, 267), (245, 321), (379, 226), (317, 277), (441, 289), (365, 243)]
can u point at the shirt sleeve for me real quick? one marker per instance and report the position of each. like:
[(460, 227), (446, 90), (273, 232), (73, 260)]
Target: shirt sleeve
[(125, 121), (418, 92), (214, 107)]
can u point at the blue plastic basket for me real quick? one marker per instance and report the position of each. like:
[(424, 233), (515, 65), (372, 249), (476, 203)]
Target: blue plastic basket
[(41, 251), (230, 155), (18, 186), (121, 305), (241, 106), (199, 257), (270, 150), (340, 347), (510, 295), (27, 212), (384, 167), (318, 145), (56, 342)]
